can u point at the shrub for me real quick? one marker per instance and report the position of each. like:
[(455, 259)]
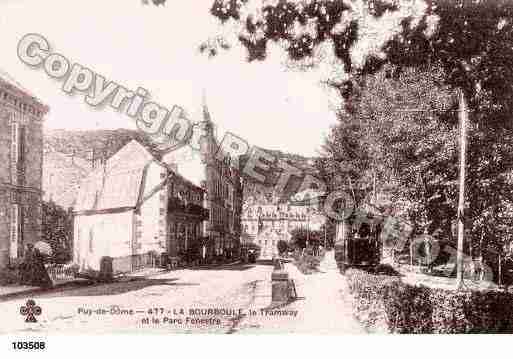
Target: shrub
[(306, 263), (369, 290), (408, 308), (384, 301)]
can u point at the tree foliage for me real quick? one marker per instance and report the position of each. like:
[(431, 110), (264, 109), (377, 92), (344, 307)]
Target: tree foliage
[(58, 231), (470, 45), (282, 246), (471, 40), (302, 237)]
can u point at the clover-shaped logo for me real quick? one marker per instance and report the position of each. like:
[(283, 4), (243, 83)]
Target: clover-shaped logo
[(30, 310)]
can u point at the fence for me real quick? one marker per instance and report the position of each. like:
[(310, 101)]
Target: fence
[(61, 272)]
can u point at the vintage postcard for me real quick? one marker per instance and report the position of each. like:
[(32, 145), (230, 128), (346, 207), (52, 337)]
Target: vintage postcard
[(322, 167)]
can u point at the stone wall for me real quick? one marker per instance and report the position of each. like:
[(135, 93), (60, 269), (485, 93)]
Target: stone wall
[(34, 155), (5, 219), (5, 147), (22, 184)]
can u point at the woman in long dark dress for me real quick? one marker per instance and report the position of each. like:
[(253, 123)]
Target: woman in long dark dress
[(33, 269), (41, 277)]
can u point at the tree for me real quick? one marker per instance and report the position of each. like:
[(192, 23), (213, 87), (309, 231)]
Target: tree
[(301, 237), (411, 128), (57, 230), (470, 41), (298, 237)]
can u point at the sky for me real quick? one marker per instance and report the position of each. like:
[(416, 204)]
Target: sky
[(157, 48)]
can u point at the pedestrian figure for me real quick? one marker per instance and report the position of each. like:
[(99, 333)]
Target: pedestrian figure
[(41, 279), (25, 276), (33, 269)]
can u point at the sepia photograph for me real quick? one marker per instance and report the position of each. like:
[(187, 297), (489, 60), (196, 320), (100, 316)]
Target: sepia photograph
[(256, 167)]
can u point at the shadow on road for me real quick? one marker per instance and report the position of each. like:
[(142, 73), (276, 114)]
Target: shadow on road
[(115, 288), (231, 267)]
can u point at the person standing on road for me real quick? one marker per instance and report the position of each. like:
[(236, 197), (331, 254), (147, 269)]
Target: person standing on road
[(33, 269)]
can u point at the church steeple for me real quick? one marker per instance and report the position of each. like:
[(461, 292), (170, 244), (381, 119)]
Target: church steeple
[(206, 113), (208, 144)]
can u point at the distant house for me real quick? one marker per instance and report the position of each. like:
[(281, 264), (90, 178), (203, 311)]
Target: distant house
[(132, 207), (21, 156)]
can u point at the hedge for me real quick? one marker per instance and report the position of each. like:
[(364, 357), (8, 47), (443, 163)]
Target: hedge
[(385, 303)]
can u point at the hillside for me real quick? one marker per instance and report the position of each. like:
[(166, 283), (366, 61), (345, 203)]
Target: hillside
[(68, 159), (62, 175)]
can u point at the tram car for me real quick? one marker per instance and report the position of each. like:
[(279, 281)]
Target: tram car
[(358, 241)]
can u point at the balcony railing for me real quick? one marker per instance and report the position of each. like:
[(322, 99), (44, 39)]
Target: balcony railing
[(176, 205)]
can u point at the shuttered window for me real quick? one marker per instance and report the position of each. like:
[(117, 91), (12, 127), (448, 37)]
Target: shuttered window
[(14, 151), (13, 248)]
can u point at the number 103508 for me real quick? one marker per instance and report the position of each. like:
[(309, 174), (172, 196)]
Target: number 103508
[(29, 345)]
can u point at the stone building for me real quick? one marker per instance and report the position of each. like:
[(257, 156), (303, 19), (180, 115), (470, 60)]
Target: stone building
[(133, 208), (223, 190), (224, 200), (21, 157), (267, 221), (134, 205)]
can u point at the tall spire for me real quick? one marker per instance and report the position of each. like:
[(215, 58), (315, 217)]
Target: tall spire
[(208, 130), (206, 113)]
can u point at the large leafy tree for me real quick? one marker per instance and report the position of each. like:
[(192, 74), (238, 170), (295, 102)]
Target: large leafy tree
[(410, 130), (470, 41)]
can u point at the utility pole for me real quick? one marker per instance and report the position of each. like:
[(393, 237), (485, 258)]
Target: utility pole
[(325, 224), (463, 114), (308, 230)]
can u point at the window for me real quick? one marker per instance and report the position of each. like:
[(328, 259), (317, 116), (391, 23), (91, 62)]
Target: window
[(14, 150), (21, 144), (13, 253), (18, 148)]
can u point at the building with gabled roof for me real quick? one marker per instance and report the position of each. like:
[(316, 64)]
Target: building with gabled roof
[(133, 208), (223, 186)]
